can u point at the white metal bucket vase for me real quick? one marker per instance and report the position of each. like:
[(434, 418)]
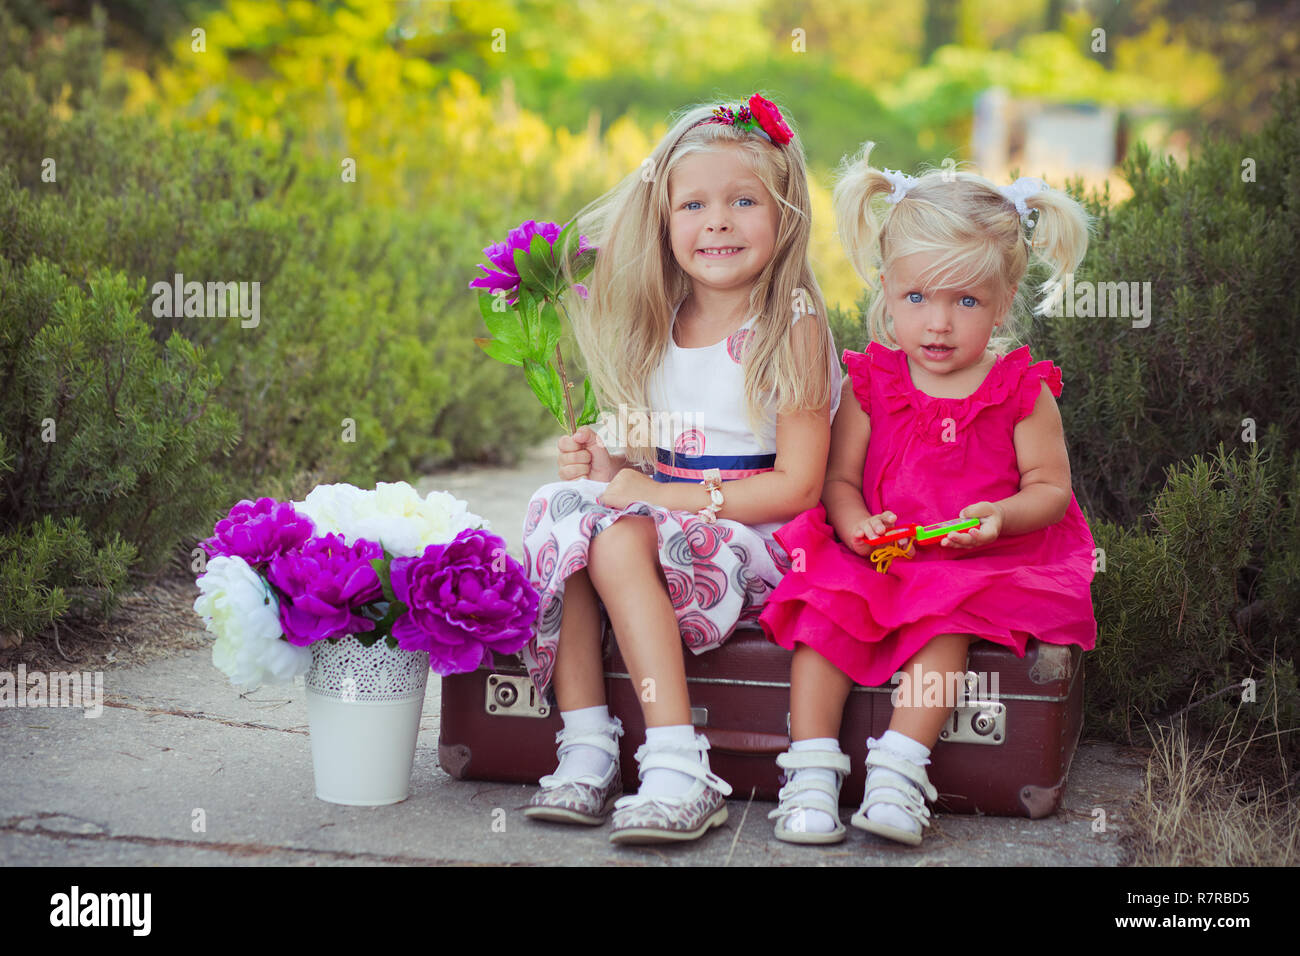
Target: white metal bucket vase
[(363, 707)]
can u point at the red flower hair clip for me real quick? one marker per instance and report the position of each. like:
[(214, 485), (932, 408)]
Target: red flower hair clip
[(758, 116)]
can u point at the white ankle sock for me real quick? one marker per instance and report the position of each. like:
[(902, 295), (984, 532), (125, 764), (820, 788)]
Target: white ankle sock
[(584, 759), (660, 781), (904, 748), (816, 821)]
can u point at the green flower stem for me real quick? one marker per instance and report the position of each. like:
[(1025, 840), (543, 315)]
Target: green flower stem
[(568, 387)]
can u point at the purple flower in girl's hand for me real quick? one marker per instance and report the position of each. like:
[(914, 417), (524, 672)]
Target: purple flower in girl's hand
[(501, 274), (322, 585), (502, 255), (504, 276), (464, 599), (258, 531)]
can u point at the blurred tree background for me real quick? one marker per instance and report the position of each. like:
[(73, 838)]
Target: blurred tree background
[(144, 138)]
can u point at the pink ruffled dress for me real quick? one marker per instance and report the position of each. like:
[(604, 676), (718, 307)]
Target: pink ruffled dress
[(928, 458)]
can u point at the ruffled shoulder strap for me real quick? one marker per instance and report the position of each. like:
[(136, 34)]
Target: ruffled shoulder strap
[(1021, 378), (877, 361)]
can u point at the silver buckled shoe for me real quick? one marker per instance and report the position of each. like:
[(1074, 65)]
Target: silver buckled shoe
[(643, 819), (585, 799), (802, 794), (910, 796)]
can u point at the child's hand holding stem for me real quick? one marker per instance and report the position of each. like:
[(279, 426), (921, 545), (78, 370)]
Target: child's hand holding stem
[(583, 455)]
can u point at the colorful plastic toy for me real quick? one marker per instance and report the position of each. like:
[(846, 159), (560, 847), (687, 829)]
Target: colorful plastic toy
[(923, 534), (887, 546)]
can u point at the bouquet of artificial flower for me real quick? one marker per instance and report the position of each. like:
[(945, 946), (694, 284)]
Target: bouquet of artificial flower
[(521, 297), (424, 574)]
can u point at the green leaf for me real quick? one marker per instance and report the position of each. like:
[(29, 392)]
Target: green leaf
[(536, 374), (509, 328), (544, 381), (487, 306), (556, 387), (501, 350), (567, 243), (531, 315), (381, 569), (527, 310), (543, 264), (552, 328), (535, 271), (528, 302), (527, 280), (590, 411)]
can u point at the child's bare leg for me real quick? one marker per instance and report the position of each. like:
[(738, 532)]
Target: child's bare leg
[(579, 676), (579, 683), (818, 690), (945, 654), (624, 569)]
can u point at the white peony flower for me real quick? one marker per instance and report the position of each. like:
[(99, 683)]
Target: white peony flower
[(330, 507), (393, 515), (240, 608)]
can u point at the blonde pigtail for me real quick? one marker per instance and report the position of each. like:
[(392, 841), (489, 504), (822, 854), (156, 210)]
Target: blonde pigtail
[(859, 225), (1059, 238), (856, 222)]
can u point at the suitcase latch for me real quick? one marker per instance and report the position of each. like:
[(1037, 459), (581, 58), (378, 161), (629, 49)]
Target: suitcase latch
[(977, 722), (513, 697)]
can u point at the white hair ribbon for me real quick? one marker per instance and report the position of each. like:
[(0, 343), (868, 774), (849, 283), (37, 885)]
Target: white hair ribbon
[(1020, 190), (901, 183)]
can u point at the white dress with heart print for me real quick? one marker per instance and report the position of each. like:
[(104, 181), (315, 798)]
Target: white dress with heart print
[(718, 575)]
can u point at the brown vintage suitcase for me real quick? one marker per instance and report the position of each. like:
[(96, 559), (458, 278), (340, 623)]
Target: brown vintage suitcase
[(1006, 750)]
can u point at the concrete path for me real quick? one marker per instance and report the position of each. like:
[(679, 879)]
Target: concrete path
[(180, 769)]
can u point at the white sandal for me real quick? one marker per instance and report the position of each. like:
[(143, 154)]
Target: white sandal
[(907, 796), (803, 793)]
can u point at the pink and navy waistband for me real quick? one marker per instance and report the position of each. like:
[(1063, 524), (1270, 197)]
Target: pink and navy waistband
[(670, 467)]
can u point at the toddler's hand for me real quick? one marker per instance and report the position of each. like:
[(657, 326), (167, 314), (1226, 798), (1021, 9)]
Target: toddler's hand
[(990, 527), (872, 526), (583, 455)]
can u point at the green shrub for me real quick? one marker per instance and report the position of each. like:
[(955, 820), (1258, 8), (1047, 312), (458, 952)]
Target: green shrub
[(51, 568), (1190, 609), (106, 442), (1219, 356), (362, 367)]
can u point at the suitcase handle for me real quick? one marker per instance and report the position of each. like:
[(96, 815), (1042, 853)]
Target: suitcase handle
[(745, 741)]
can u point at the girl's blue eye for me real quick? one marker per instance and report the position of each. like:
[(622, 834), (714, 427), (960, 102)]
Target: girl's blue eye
[(914, 297), (750, 201), (969, 301), (691, 203)]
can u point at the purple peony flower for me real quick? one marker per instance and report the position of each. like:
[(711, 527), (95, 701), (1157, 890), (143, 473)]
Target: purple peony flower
[(464, 599), (322, 585), (502, 274), (258, 531)]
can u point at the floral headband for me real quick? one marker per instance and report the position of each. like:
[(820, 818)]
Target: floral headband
[(1016, 193), (757, 116)]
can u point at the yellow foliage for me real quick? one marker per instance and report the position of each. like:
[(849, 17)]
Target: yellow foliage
[(1181, 75)]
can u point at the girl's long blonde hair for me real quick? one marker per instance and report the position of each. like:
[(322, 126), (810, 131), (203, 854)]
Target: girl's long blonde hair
[(624, 326), (962, 218)]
